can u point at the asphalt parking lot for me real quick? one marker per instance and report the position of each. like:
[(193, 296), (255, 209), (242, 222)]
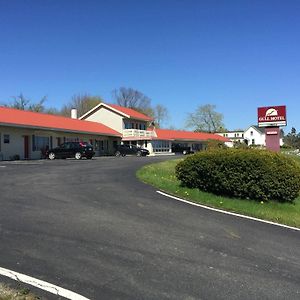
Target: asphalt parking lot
[(93, 228)]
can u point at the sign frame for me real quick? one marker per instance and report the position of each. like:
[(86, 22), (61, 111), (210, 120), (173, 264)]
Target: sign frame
[(271, 116)]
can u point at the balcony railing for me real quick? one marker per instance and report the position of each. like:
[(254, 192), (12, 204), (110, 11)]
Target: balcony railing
[(138, 133)]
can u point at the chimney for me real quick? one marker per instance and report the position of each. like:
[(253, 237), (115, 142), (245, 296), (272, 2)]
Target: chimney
[(74, 113)]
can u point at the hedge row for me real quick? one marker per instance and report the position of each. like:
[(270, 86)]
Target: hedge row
[(242, 173)]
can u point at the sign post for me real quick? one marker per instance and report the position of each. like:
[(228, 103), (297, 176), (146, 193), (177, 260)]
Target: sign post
[(271, 118)]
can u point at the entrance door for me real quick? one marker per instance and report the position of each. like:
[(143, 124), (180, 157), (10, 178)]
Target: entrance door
[(26, 147)]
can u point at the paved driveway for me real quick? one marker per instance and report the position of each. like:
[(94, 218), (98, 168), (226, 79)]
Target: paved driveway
[(91, 227)]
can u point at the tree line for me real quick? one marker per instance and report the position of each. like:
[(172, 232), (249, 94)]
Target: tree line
[(205, 118)]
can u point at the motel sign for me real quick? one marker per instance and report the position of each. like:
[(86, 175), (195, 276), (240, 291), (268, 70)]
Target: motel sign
[(271, 118)]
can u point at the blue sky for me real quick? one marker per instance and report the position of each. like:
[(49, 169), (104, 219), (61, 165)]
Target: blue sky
[(237, 55)]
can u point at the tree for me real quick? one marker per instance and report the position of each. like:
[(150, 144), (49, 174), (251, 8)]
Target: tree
[(82, 102), (22, 103), (292, 139), (205, 118), (131, 98), (160, 115), (39, 106)]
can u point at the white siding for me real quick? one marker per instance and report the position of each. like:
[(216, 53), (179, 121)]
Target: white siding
[(253, 134), (108, 118)]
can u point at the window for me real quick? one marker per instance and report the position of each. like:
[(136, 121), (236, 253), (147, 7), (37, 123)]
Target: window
[(161, 146), (253, 141), (40, 143), (6, 138), (251, 133), (128, 125)]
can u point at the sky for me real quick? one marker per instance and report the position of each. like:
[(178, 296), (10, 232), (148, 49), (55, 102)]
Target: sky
[(237, 55)]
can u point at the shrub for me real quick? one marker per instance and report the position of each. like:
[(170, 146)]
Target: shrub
[(215, 144), (243, 173)]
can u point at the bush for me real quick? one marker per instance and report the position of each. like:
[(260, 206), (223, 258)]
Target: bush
[(214, 144), (249, 174)]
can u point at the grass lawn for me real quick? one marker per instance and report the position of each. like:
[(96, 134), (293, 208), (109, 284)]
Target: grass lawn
[(162, 176)]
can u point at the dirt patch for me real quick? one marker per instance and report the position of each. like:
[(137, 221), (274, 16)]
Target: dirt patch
[(8, 293)]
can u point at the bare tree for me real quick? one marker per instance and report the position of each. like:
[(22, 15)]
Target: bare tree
[(39, 106), (131, 98), (19, 102), (82, 102), (205, 118), (160, 114), (22, 103)]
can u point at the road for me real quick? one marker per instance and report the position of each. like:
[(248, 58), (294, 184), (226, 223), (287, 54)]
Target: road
[(93, 228)]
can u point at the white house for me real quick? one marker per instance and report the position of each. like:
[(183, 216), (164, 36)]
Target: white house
[(234, 136), (253, 135)]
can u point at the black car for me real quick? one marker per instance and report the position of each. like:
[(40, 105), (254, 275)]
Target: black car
[(179, 148), (71, 149), (123, 150)]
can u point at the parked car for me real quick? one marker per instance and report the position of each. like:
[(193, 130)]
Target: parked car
[(123, 150), (71, 149), (179, 148)]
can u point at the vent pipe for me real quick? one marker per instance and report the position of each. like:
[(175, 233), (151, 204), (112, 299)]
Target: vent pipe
[(74, 113)]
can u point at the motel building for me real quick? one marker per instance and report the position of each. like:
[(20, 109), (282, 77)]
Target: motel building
[(136, 129), (24, 134)]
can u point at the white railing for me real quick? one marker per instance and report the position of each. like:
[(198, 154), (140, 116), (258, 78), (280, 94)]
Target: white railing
[(138, 133)]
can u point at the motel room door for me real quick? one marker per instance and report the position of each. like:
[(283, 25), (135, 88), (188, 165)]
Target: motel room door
[(26, 147)]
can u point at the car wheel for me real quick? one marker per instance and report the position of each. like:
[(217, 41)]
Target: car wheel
[(89, 157), (51, 155), (78, 155), (117, 153), (139, 153), (184, 152)]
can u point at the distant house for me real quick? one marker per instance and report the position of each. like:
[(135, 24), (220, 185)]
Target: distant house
[(253, 135), (136, 129), (234, 136)]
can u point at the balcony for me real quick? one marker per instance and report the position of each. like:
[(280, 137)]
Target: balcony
[(138, 134)]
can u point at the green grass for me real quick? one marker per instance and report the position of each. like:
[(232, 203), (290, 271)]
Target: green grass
[(162, 176)]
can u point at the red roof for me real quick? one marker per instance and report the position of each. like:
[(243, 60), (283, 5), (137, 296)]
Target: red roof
[(131, 112), (15, 117), (166, 134)]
